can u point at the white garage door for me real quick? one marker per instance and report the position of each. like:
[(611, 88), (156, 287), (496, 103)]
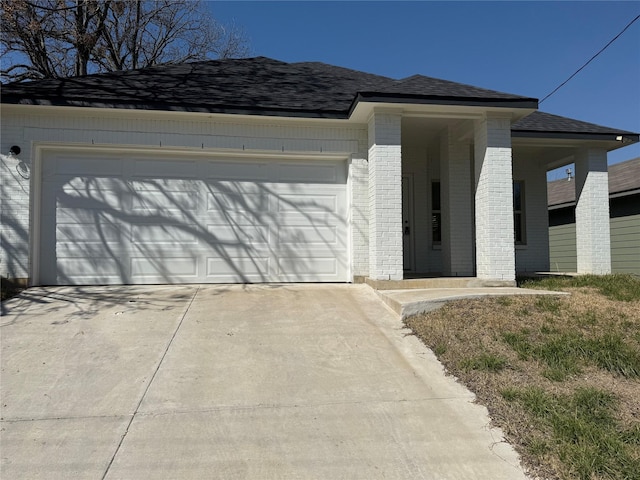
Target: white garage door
[(110, 219)]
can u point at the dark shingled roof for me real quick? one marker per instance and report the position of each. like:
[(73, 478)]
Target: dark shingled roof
[(541, 122), (623, 177), (257, 86)]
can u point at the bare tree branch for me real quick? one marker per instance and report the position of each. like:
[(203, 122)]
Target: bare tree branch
[(60, 38)]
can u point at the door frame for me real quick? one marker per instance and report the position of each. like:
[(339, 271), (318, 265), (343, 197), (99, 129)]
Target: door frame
[(408, 221)]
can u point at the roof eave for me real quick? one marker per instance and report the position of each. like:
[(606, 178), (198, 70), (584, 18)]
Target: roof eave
[(616, 139), (214, 109), (376, 97)]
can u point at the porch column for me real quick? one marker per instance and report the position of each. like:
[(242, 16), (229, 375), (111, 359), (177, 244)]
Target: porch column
[(385, 196), (495, 249), (457, 214), (593, 241)]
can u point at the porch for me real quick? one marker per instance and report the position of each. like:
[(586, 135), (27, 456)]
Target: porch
[(460, 200)]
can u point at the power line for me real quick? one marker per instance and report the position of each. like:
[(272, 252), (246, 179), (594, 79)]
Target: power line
[(601, 50)]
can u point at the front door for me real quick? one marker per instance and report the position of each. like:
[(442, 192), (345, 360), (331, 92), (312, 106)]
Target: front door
[(407, 221)]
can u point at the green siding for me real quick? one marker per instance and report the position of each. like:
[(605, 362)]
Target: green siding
[(562, 248), (625, 246)]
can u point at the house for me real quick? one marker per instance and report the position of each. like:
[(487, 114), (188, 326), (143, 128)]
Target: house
[(257, 170), (624, 223)]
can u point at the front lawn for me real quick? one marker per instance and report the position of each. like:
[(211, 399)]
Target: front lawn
[(560, 375)]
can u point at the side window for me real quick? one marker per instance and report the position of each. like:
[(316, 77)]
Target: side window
[(436, 214), (518, 213)]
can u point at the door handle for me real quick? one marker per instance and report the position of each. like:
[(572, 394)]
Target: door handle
[(406, 230)]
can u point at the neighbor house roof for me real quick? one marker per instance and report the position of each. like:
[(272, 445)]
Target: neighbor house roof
[(624, 178), (258, 86)]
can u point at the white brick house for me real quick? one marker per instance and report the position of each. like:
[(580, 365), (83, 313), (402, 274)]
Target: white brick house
[(256, 170)]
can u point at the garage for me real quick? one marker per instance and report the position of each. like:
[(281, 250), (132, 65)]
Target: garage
[(108, 218)]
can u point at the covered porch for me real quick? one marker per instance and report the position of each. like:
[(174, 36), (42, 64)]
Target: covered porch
[(463, 195)]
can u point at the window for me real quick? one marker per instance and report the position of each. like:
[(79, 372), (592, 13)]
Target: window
[(436, 214), (518, 213)]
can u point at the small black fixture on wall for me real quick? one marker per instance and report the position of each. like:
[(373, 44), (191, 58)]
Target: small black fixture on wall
[(22, 168)]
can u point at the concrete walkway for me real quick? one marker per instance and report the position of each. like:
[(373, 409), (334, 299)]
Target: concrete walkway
[(231, 382)]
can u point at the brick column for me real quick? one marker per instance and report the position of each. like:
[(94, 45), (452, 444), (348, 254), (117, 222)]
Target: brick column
[(457, 214), (385, 197), (495, 249), (593, 241)]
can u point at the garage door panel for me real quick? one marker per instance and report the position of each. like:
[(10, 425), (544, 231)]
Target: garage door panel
[(87, 216), (91, 199), (292, 267), (75, 233), (306, 173), (239, 170), (309, 235), (237, 218), (153, 201), (164, 267), (240, 202), (173, 221), (248, 235), (101, 267), (303, 204), (116, 250), (176, 235), (239, 268), (154, 169)]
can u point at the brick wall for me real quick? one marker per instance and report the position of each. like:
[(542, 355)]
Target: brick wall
[(593, 242), (457, 207), (495, 256), (385, 197)]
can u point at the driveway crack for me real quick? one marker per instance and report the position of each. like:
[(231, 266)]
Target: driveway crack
[(144, 394)]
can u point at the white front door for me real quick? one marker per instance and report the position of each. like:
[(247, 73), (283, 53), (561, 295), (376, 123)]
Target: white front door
[(132, 218), (407, 222)]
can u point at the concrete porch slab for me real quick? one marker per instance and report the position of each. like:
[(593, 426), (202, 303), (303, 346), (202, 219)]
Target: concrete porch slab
[(415, 301), (436, 282)]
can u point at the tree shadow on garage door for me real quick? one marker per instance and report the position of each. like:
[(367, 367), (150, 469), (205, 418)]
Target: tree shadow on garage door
[(186, 230)]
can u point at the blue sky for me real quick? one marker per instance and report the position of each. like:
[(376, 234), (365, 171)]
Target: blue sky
[(527, 48)]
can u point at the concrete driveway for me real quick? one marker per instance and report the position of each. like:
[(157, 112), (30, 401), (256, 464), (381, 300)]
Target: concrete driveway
[(231, 382)]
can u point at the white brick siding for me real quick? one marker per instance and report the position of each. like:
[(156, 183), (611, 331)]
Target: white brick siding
[(457, 207), (495, 252), (385, 197), (593, 241), (359, 173), (14, 204), (166, 131)]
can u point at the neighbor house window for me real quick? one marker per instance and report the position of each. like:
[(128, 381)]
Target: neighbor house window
[(436, 214), (518, 213)]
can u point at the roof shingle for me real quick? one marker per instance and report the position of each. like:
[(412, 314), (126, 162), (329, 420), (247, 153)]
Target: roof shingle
[(546, 122), (253, 85), (263, 86)]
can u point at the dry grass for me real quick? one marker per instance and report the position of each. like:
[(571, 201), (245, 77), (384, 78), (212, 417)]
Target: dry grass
[(560, 375)]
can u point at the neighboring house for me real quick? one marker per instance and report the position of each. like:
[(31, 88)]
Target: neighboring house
[(256, 170), (624, 224)]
